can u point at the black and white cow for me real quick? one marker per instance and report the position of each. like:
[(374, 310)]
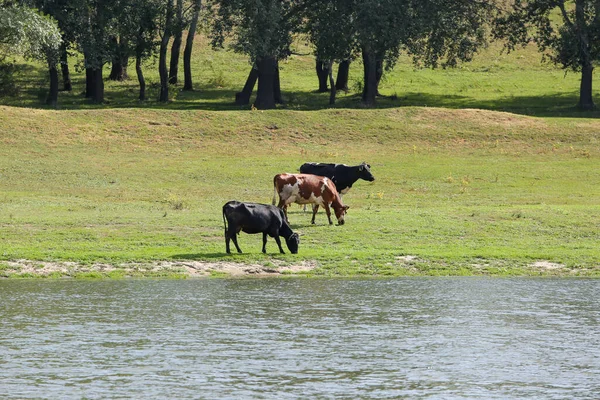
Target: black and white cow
[(257, 218), (343, 176)]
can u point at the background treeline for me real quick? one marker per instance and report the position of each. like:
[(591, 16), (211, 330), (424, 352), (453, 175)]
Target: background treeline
[(433, 33)]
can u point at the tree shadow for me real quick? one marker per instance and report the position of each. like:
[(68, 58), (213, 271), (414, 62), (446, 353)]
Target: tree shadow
[(550, 105), (122, 95)]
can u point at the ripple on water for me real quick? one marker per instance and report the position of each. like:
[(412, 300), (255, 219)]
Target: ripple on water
[(301, 338)]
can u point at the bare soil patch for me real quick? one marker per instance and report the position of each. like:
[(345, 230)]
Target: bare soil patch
[(547, 266), (190, 268)]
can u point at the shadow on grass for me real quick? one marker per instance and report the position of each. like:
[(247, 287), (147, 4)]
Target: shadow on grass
[(32, 91), (233, 257), (551, 105), (201, 256)]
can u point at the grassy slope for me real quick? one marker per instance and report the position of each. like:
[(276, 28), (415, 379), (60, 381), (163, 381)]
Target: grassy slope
[(467, 191)]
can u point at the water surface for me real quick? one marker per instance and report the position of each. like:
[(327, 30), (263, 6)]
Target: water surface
[(422, 338)]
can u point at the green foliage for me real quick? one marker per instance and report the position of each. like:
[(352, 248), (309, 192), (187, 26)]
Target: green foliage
[(258, 28), (23, 31), (329, 25), (449, 31), (568, 33)]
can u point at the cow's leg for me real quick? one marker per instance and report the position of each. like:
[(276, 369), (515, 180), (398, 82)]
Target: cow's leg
[(315, 209), (230, 234), (283, 205), (233, 236), (227, 238), (264, 249), (328, 211), (279, 244)]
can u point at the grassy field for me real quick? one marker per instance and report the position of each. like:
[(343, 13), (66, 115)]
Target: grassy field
[(485, 169)]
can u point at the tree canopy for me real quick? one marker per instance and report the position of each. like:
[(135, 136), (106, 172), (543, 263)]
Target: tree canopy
[(24, 31), (433, 33), (566, 32)]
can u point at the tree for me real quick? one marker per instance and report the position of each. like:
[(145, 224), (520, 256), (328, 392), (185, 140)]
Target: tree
[(179, 25), (24, 31), (432, 32), (329, 25), (162, 58), (92, 24), (189, 44), (139, 29), (262, 30), (572, 40), (61, 10)]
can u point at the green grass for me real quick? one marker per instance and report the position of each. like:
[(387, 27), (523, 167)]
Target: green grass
[(484, 169)]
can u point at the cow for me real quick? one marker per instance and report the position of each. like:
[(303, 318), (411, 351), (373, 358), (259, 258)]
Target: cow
[(308, 189), (257, 218), (343, 176)]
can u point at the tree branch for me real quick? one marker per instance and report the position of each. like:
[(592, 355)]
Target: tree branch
[(565, 15)]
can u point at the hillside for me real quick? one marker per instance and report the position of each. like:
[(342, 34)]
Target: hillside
[(463, 186)]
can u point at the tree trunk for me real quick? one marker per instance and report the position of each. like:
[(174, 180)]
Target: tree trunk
[(176, 46), (162, 58), (140, 76), (64, 67), (243, 98), (120, 60), (98, 96), (321, 69), (342, 75), (370, 77), (331, 83), (189, 43), (586, 102), (162, 70), (175, 51), (265, 95), (277, 86), (378, 71), (118, 71), (89, 83), (52, 98)]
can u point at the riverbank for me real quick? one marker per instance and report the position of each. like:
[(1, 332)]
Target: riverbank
[(190, 269), (158, 269)]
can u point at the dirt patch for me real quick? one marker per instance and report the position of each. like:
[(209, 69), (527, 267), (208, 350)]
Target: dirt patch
[(482, 117), (547, 265), (189, 268)]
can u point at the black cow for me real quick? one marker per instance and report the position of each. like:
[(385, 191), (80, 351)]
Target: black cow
[(342, 175), (257, 218)]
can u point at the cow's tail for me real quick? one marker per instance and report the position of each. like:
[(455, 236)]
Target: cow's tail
[(225, 220), (274, 190)]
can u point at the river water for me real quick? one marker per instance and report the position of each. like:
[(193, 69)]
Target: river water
[(421, 338)]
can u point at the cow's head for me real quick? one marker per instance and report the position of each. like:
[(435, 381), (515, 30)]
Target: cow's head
[(364, 172), (340, 213), (292, 243)]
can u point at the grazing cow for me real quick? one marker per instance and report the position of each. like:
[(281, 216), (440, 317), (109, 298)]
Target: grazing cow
[(257, 218), (309, 189), (342, 175)]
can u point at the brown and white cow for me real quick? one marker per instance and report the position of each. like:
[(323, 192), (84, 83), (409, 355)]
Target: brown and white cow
[(309, 189)]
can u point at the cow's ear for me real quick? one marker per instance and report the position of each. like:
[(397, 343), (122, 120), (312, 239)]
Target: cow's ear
[(361, 167), (346, 208)]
